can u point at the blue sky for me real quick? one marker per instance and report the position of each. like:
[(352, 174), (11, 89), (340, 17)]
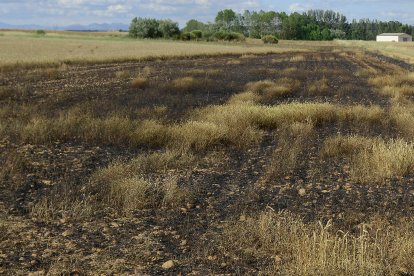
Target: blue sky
[(65, 12)]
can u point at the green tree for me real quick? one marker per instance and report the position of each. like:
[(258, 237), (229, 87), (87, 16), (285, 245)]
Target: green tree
[(168, 28), (193, 24), (225, 19)]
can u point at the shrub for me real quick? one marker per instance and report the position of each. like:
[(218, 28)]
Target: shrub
[(229, 36), (40, 32), (270, 39), (187, 36), (197, 34)]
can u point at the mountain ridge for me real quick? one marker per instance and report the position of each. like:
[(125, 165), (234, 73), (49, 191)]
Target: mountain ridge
[(72, 27)]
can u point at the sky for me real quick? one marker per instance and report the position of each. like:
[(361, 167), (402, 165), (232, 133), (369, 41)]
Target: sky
[(67, 12)]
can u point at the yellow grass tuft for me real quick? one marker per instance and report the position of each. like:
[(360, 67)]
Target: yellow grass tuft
[(319, 87), (341, 146), (269, 89), (383, 160), (204, 72), (233, 62), (140, 82), (281, 243), (186, 84), (125, 74)]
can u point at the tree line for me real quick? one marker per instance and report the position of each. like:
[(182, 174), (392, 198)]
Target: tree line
[(229, 25)]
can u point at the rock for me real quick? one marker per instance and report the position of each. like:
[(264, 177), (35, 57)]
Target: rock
[(278, 259), (67, 233), (302, 192), (114, 225), (37, 273), (168, 264), (183, 242)]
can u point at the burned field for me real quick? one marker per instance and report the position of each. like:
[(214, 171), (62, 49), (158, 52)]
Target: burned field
[(293, 164)]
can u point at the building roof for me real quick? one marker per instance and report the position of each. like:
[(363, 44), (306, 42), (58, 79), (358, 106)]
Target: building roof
[(393, 34)]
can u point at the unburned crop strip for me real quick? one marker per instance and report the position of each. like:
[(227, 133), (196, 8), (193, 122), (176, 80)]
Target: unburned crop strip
[(372, 160), (281, 243)]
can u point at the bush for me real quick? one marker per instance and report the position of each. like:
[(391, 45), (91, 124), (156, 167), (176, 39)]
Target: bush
[(270, 39), (229, 36), (40, 32), (197, 34), (187, 36)]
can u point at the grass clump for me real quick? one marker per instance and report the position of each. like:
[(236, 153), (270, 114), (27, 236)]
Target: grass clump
[(298, 58), (140, 82), (13, 170), (383, 160), (344, 145), (233, 62), (246, 97), (319, 87), (269, 89), (402, 117), (292, 141), (127, 187), (187, 84), (270, 39), (281, 243), (204, 72), (124, 74)]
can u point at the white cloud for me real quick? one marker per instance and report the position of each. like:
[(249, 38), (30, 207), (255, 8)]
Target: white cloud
[(58, 12), (298, 7)]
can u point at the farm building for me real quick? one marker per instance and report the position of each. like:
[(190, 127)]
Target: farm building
[(394, 37)]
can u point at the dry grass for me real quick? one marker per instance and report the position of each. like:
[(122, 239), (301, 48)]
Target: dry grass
[(384, 160), (204, 72), (76, 124), (26, 49), (319, 87), (372, 159), (51, 73), (187, 84), (233, 62), (298, 58), (125, 186), (281, 243), (248, 97), (340, 146), (269, 89), (140, 82), (238, 123), (125, 74), (402, 51), (12, 171), (290, 70), (62, 207), (292, 142), (403, 117), (263, 71), (396, 85)]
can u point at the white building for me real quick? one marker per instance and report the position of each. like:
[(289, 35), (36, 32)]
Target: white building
[(394, 37)]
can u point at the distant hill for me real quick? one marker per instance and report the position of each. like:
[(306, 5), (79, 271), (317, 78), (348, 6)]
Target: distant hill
[(90, 27)]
